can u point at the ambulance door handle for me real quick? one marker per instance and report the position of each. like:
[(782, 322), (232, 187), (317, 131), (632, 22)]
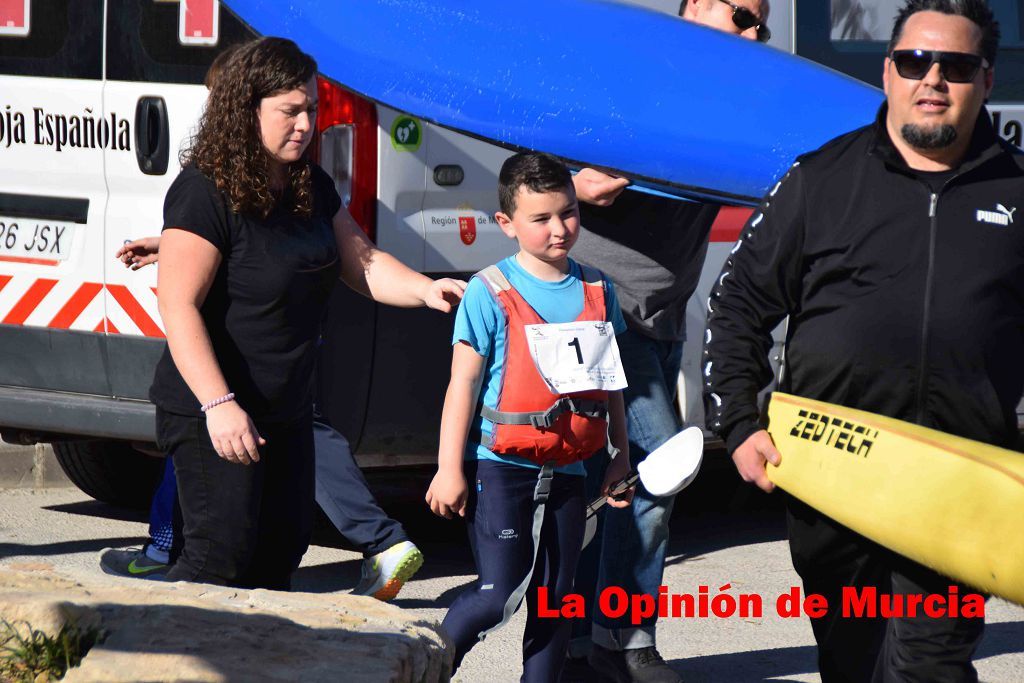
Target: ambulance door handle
[(449, 175), (152, 139)]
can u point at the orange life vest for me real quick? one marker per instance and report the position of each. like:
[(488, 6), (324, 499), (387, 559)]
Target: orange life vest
[(530, 421)]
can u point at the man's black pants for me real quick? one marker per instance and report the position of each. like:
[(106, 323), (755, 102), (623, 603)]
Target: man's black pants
[(243, 525), (829, 557)]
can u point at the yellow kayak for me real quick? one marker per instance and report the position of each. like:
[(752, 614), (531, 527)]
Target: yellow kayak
[(952, 504)]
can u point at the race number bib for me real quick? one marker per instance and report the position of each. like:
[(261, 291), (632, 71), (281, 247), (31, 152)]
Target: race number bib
[(576, 356)]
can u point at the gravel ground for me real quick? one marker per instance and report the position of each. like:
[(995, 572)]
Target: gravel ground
[(715, 541)]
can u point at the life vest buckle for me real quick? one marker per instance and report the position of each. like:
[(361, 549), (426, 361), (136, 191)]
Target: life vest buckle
[(547, 418), (543, 488)]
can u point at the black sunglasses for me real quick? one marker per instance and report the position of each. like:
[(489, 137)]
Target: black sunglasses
[(744, 19), (956, 67)]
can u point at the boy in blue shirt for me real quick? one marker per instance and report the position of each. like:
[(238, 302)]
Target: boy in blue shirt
[(535, 389)]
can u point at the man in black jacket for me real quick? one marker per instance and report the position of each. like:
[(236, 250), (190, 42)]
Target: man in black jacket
[(895, 253)]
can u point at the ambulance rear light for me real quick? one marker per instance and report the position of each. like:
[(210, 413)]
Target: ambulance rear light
[(729, 223), (348, 150)]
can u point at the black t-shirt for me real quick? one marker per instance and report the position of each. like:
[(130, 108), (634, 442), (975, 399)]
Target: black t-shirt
[(264, 308), (652, 248), (936, 180)]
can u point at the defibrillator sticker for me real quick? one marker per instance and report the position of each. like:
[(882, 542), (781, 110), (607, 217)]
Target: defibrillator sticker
[(14, 17), (576, 356), (406, 134)]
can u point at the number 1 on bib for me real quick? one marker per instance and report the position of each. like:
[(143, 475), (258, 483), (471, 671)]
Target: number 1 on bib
[(576, 356)]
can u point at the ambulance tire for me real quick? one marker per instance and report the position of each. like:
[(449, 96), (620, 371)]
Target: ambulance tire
[(111, 471)]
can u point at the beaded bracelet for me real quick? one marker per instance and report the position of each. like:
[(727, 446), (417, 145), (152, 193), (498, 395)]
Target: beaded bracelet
[(217, 402)]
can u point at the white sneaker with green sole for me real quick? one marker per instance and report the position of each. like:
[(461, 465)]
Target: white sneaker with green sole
[(384, 574)]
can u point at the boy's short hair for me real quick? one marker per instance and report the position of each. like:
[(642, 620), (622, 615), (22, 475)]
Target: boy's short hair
[(536, 171)]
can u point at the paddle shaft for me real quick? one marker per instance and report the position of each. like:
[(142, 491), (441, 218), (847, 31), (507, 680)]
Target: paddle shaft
[(617, 489)]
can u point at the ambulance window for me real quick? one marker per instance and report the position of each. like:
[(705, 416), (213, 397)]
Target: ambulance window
[(851, 36), (143, 42), (65, 40)]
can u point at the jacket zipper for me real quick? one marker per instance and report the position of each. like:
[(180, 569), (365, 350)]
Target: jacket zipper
[(922, 377)]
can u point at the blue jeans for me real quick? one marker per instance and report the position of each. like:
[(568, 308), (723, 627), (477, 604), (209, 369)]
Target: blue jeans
[(629, 551)]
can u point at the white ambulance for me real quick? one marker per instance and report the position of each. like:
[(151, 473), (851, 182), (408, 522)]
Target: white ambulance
[(97, 98)]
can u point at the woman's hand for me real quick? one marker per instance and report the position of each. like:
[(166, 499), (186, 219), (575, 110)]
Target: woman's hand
[(135, 254), (444, 294), (448, 493), (233, 434)]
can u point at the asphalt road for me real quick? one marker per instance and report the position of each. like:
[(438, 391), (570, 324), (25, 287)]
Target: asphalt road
[(721, 533)]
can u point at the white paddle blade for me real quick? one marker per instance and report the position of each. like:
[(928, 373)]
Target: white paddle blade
[(673, 465)]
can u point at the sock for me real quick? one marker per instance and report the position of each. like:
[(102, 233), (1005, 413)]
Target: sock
[(156, 554)]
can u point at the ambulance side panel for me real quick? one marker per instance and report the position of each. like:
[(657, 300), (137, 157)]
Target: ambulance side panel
[(437, 196), (52, 205), (156, 81)]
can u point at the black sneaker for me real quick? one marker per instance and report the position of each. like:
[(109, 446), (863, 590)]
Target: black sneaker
[(641, 665), (578, 670), (132, 563)]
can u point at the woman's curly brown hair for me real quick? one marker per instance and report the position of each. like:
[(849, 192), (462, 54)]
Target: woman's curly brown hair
[(228, 147)]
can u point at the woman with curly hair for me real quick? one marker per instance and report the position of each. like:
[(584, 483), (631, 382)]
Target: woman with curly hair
[(254, 237)]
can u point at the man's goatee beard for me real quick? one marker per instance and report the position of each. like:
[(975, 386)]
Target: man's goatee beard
[(933, 137)]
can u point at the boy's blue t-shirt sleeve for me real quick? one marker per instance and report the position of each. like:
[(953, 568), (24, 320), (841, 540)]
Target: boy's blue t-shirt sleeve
[(614, 312), (476, 320)]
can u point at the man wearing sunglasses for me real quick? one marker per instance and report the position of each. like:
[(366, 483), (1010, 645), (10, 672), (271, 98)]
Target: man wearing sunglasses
[(746, 19), (895, 252), (653, 249)]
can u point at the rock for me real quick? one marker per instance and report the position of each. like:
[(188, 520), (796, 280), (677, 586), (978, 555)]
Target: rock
[(30, 566), (27, 612), (184, 631)]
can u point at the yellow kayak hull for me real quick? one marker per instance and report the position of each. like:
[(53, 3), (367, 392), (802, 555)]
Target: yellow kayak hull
[(952, 504)]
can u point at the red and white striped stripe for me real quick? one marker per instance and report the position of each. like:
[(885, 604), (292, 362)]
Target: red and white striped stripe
[(75, 305)]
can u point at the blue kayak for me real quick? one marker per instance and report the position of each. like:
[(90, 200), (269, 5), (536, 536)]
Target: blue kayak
[(672, 105)]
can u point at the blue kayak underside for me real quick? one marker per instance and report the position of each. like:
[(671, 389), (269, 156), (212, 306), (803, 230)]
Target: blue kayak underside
[(670, 104)]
